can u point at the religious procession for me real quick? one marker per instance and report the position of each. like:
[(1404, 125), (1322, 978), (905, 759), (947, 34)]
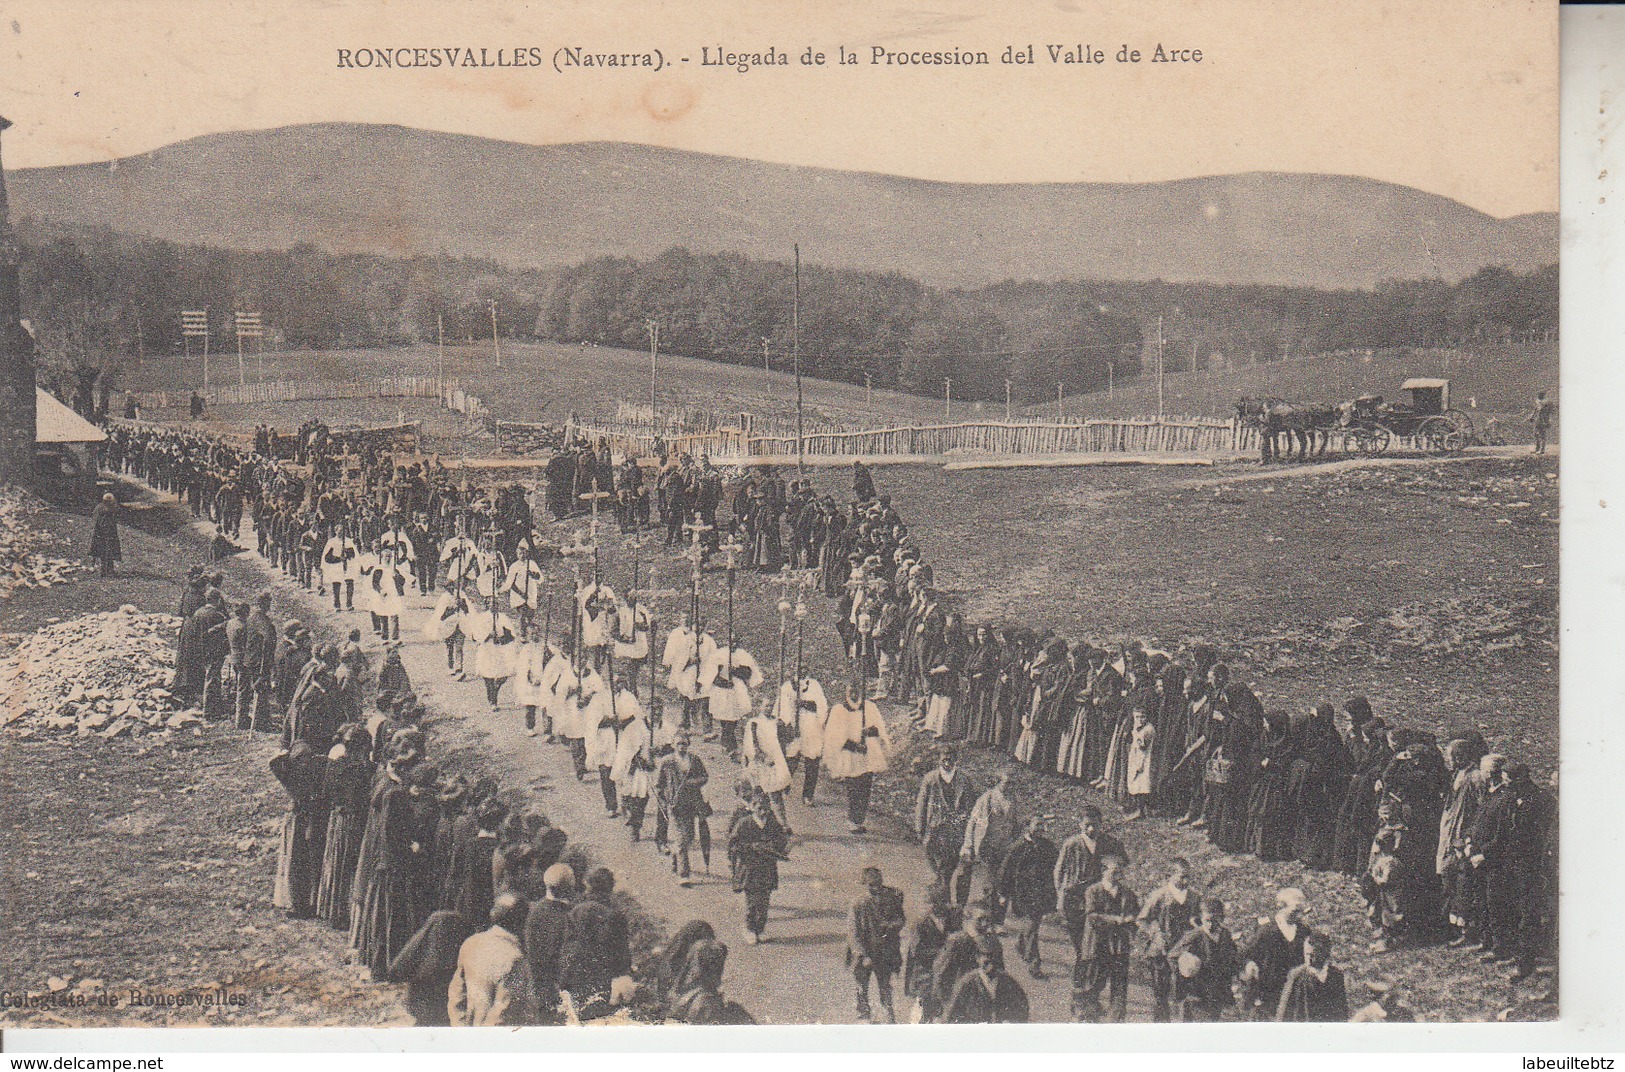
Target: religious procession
[(1451, 844)]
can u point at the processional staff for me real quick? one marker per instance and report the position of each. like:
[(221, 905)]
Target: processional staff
[(731, 549), (696, 556), (786, 579)]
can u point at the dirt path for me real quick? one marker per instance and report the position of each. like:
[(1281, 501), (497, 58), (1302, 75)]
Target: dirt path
[(1282, 472)]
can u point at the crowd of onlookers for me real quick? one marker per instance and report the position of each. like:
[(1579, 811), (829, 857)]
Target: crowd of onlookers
[(1451, 842), (1448, 841)]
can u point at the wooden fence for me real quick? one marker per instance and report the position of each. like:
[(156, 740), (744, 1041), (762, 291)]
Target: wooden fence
[(450, 393), (1185, 435)]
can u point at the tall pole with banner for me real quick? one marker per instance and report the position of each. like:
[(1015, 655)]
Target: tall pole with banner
[(249, 326)]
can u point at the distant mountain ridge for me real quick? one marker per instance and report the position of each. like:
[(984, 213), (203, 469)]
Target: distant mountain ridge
[(401, 191)]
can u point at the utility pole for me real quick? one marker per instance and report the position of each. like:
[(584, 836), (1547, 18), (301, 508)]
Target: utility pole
[(1193, 355), (869, 388), (1159, 366), (1111, 382), (653, 328), (496, 347), (764, 356), (440, 354), (1060, 406), (795, 346), (1007, 400), (947, 398)]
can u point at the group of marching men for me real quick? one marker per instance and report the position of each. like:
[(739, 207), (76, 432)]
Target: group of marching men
[(374, 534), (584, 689)]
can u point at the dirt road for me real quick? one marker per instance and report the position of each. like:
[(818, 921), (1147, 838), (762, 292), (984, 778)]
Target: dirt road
[(798, 976)]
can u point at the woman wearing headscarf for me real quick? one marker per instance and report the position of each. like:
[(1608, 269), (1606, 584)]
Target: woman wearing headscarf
[(674, 973), (1046, 677), (392, 906), (949, 673), (1357, 814), (833, 548), (1235, 731), (346, 785), (1320, 774), (1103, 710), (1172, 720), (1010, 690), (299, 857), (1468, 788), (702, 1002), (1268, 833), (427, 963), (1413, 785), (981, 674), (1071, 713), (397, 754), (1137, 693)]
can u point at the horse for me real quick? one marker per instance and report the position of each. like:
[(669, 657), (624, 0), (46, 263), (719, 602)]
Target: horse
[(1310, 426)]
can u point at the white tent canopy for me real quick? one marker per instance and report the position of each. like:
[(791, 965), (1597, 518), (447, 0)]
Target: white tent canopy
[(56, 423)]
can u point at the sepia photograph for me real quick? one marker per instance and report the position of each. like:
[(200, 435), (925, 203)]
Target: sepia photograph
[(629, 514)]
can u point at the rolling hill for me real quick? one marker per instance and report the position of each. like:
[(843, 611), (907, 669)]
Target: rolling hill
[(399, 191)]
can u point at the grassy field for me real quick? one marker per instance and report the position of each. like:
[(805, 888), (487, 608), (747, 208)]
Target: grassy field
[(1497, 381), (546, 382)]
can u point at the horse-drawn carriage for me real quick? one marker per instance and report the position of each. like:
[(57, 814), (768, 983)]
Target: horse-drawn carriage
[(1370, 425)]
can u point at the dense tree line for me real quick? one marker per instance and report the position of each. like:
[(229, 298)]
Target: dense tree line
[(903, 334), (96, 295), (855, 326)]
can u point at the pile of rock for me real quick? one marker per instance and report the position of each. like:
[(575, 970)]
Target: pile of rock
[(25, 561), (103, 674), (527, 440)]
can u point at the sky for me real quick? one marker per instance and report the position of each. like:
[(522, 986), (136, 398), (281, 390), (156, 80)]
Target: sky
[(1456, 97)]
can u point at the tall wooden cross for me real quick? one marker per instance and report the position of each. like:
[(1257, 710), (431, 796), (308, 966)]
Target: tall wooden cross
[(592, 498), (576, 552)]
